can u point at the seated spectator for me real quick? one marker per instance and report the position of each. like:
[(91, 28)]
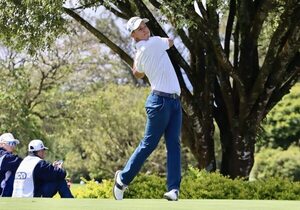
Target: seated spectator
[(36, 177), (9, 163)]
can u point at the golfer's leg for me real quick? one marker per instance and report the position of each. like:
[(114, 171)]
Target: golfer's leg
[(155, 126), (172, 137)]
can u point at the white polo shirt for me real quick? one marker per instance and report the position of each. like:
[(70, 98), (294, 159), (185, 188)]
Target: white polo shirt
[(153, 60)]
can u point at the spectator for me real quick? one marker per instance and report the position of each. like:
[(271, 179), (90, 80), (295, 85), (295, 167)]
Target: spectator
[(8, 163), (36, 177)]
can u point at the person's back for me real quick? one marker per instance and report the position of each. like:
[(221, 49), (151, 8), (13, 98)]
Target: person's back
[(8, 163), (36, 177)]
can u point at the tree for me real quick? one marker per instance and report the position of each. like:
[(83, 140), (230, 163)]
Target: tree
[(33, 89), (100, 133), (22, 88), (281, 126), (230, 84)]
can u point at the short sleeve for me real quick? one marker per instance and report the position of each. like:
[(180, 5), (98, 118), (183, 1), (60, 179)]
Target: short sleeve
[(162, 42), (137, 62)]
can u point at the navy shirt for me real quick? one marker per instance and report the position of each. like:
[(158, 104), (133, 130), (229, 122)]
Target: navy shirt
[(11, 163), (45, 172)]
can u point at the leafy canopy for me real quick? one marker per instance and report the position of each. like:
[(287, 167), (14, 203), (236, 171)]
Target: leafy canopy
[(30, 24)]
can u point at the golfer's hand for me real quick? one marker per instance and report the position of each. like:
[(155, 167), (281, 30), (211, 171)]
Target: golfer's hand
[(136, 73)]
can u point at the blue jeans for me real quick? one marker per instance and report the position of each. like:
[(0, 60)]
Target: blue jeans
[(164, 116)]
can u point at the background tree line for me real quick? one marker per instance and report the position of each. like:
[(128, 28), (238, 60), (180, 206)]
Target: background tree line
[(93, 117), (241, 58)]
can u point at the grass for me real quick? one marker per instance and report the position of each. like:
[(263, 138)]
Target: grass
[(143, 204)]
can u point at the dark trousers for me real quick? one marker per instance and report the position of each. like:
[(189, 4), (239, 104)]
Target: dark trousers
[(49, 189)]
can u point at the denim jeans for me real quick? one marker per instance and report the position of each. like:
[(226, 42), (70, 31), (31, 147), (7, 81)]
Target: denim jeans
[(164, 117)]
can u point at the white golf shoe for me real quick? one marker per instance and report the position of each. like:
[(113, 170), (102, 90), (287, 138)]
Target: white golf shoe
[(172, 195), (119, 187)]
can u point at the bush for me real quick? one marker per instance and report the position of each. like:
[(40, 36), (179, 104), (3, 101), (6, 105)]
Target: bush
[(146, 186), (198, 185), (277, 163), (281, 127), (93, 189), (203, 185)]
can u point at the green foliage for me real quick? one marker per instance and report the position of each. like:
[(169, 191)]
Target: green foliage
[(281, 127), (146, 186), (198, 185), (26, 84), (14, 113), (94, 190), (99, 134), (277, 163), (176, 10), (275, 188), (30, 24), (202, 185)]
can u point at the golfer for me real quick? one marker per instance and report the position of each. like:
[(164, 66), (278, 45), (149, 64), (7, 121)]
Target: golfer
[(164, 115)]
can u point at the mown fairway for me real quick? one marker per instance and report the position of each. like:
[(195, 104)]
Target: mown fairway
[(144, 204)]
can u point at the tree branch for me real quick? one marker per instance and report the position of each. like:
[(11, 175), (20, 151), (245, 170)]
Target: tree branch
[(124, 6), (289, 19), (155, 3), (124, 56), (263, 7), (229, 26), (89, 5)]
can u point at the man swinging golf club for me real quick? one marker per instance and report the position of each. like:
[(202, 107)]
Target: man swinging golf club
[(163, 109)]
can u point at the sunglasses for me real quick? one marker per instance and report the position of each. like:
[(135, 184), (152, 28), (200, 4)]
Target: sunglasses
[(12, 143)]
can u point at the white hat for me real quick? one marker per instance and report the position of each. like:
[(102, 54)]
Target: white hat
[(8, 137), (134, 22), (36, 145)]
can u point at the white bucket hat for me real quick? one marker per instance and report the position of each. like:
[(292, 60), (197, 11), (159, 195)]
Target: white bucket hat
[(8, 138), (134, 22), (36, 145)]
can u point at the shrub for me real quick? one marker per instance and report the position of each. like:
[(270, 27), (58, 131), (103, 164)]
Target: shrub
[(275, 189), (146, 186), (198, 185), (93, 189), (277, 163), (203, 185)]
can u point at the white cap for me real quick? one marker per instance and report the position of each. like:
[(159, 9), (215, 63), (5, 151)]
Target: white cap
[(8, 137), (134, 22), (36, 145)]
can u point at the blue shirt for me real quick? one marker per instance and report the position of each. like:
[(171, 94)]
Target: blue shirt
[(11, 163)]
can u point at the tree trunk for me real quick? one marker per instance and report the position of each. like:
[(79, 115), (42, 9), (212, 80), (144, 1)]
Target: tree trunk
[(200, 141), (237, 150)]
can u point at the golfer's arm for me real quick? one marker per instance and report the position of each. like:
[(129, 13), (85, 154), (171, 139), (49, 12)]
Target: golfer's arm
[(136, 73)]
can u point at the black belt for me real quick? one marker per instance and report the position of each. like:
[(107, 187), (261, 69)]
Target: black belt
[(169, 95)]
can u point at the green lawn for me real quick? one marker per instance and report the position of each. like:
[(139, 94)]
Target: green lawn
[(143, 204)]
